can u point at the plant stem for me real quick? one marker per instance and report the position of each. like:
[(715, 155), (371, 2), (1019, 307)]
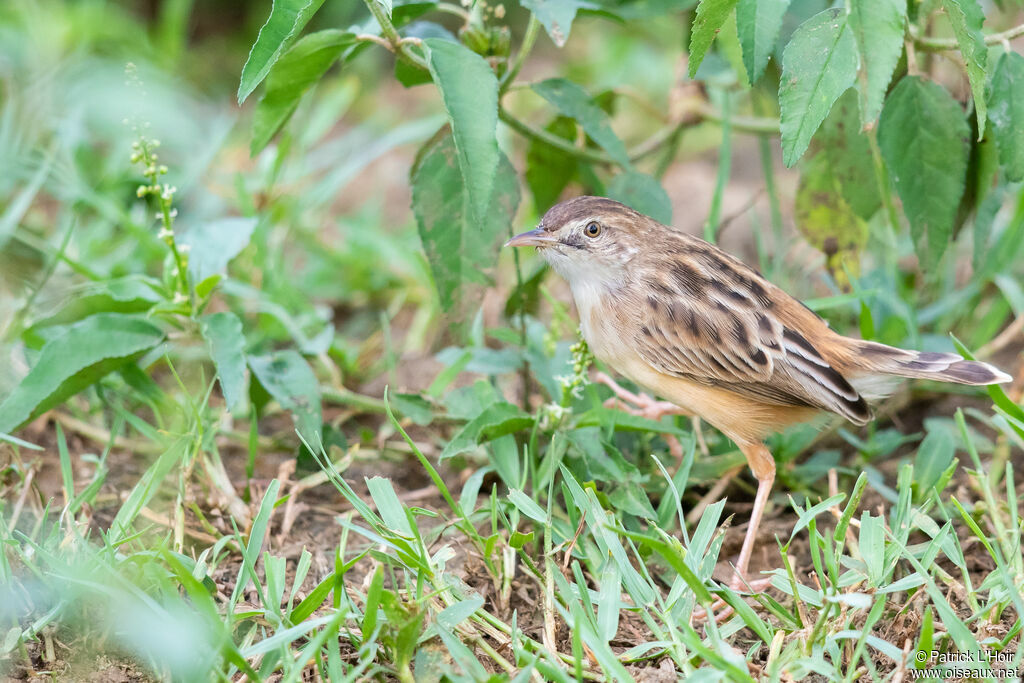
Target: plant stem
[(529, 38), (544, 136), (933, 44), (391, 35), (768, 171), (347, 397), (746, 124), (724, 167), (758, 125), (387, 29), (451, 8)]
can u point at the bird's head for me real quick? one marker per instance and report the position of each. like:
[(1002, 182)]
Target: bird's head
[(589, 240)]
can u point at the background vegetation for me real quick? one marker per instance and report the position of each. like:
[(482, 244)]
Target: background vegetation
[(274, 406)]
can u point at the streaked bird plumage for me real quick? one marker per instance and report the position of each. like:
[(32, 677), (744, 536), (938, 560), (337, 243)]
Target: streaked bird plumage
[(687, 321)]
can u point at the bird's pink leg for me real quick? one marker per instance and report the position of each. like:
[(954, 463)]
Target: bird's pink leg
[(763, 465)]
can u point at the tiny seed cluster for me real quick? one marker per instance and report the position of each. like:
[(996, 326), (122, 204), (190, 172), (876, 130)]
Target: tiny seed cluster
[(144, 154)]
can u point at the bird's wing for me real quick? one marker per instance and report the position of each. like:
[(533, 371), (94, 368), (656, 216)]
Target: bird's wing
[(710, 319)]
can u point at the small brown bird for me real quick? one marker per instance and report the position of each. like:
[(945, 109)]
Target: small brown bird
[(690, 323)]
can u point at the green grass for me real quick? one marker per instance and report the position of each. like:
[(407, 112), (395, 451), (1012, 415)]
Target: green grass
[(298, 469)]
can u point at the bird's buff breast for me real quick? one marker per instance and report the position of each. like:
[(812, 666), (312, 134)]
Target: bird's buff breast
[(603, 324)]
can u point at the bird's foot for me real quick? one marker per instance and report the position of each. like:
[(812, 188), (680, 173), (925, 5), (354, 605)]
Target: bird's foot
[(641, 405), (646, 407)]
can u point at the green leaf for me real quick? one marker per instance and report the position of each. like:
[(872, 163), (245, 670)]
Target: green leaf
[(818, 65), (81, 356), (573, 101), (548, 169), (924, 139), (145, 489), (470, 94), (609, 601), (924, 641), (414, 407), (497, 419), (453, 615), (130, 294), (389, 506), (849, 154), (878, 29), (223, 334), (813, 511), (461, 251), (1006, 112), (643, 193), (288, 378), (872, 546), (287, 19), (518, 539), (933, 458), (966, 18), (304, 64), (212, 245), (710, 16), (758, 23), (528, 506), (556, 16), (827, 221)]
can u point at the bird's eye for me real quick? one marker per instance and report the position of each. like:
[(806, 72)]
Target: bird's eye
[(592, 230)]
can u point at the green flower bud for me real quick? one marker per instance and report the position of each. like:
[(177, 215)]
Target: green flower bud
[(475, 38)]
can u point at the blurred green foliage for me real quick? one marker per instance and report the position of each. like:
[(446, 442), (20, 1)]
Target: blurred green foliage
[(321, 237)]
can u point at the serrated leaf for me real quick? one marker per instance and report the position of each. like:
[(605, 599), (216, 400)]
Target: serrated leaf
[(287, 377), (1006, 112), (758, 23), (300, 67), (223, 334), (469, 90), (460, 250), (213, 244), (643, 193), (86, 351), (966, 18), (878, 29), (818, 65), (573, 101), (556, 16), (849, 154), (707, 22), (287, 19), (548, 169), (924, 140), (827, 221)]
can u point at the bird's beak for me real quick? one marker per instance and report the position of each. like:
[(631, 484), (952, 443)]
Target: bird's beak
[(538, 237)]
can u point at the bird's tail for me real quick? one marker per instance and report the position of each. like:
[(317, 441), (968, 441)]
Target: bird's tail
[(884, 362)]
